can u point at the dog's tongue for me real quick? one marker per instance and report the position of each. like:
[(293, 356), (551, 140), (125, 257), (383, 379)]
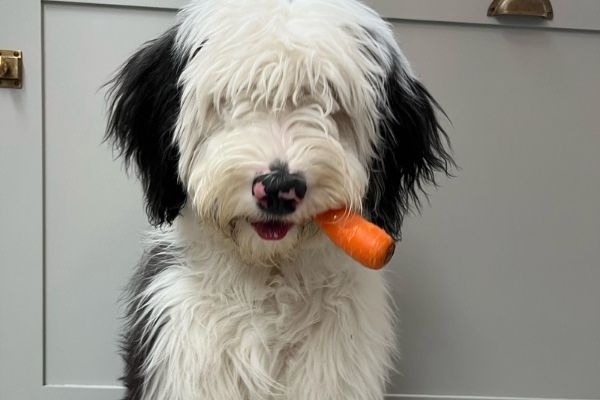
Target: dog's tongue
[(271, 230)]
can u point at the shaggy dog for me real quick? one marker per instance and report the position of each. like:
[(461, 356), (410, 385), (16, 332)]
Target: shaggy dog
[(244, 121)]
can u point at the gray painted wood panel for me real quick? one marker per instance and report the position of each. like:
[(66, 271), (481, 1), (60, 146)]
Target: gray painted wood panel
[(94, 215), (568, 14), (495, 282), (21, 207), (497, 279)]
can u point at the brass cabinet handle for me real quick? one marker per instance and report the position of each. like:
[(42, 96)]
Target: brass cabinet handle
[(532, 8), (11, 69)]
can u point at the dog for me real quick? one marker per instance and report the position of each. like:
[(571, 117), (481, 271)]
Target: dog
[(244, 121)]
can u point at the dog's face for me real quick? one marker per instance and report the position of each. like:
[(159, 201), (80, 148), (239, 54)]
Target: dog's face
[(260, 114), (259, 176)]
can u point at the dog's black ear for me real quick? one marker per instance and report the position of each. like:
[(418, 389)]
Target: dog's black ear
[(411, 150), (144, 101)]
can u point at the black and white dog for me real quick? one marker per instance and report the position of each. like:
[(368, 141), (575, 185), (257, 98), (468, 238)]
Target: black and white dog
[(244, 121)]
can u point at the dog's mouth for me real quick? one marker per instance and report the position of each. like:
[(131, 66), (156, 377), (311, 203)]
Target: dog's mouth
[(272, 230)]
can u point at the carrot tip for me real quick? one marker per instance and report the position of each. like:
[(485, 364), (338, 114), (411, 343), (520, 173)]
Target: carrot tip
[(390, 253)]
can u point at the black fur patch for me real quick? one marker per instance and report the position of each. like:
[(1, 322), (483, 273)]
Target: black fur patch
[(144, 101), (411, 151), (135, 345)]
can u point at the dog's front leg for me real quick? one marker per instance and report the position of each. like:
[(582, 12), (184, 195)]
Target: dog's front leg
[(185, 342)]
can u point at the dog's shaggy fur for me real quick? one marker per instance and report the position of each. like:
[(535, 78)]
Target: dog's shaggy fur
[(240, 296)]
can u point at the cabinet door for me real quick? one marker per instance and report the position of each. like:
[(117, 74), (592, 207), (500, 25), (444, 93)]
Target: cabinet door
[(21, 205), (94, 215), (496, 281)]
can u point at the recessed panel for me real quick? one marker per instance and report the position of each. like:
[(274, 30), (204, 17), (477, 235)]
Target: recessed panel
[(497, 280), (94, 213)]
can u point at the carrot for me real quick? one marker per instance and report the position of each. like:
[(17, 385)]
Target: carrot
[(360, 239)]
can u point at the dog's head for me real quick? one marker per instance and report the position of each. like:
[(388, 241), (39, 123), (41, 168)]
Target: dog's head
[(260, 114)]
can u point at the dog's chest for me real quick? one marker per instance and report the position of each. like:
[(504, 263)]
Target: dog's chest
[(233, 333), (259, 324), (277, 316)]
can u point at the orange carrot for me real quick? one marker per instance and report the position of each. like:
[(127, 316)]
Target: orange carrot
[(365, 242)]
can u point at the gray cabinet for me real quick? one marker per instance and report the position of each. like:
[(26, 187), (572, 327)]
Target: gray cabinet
[(495, 282)]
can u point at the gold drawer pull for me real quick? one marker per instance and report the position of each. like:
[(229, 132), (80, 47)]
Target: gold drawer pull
[(532, 8)]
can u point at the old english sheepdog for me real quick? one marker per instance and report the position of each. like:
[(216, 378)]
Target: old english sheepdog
[(244, 121)]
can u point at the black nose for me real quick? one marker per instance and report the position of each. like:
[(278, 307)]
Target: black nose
[(279, 192)]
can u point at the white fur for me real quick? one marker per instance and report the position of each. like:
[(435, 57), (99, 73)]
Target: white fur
[(295, 68), (318, 327)]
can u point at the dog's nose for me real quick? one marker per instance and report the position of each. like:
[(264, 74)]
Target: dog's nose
[(279, 192)]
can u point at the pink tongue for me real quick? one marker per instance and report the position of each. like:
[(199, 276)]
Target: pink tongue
[(271, 230)]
